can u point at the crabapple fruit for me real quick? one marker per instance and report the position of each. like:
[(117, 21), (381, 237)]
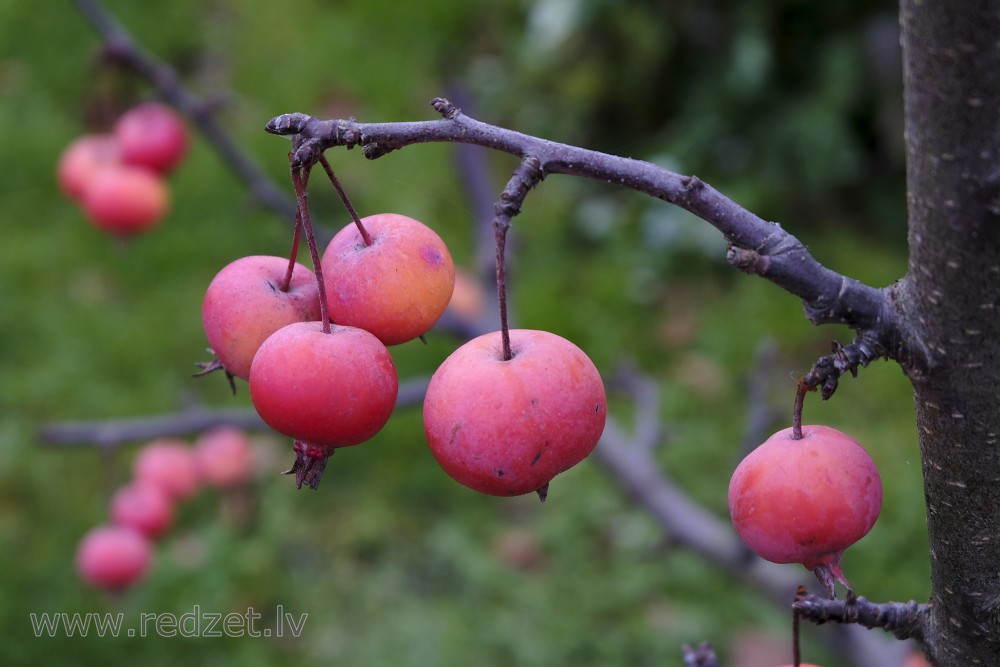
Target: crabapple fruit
[(468, 300), (143, 506), (246, 302), (153, 136), (397, 287), (507, 427), (805, 501), (169, 464), (324, 390), (224, 456), (83, 159), (125, 200), (113, 557)]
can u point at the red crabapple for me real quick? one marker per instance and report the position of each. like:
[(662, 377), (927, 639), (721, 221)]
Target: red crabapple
[(113, 557), (125, 200), (508, 427), (224, 456), (153, 136), (397, 287), (143, 506), (245, 303), (82, 160), (169, 464), (805, 501), (324, 390)]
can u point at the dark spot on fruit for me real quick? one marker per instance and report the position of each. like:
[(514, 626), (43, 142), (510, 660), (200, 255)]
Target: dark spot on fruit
[(454, 433), (538, 455), (499, 473), (597, 408), (274, 288), (431, 255)]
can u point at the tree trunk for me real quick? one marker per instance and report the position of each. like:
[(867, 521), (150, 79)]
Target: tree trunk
[(949, 310)]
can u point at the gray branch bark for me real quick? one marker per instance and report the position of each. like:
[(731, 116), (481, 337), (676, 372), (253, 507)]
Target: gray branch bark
[(949, 307)]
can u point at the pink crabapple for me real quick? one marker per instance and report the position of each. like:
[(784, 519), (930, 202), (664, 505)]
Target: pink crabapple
[(507, 427), (323, 390), (113, 557), (124, 200), (143, 506), (169, 464), (83, 159), (224, 456), (247, 301), (397, 287), (805, 501), (153, 136)]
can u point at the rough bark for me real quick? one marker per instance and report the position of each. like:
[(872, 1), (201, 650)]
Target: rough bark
[(949, 311)]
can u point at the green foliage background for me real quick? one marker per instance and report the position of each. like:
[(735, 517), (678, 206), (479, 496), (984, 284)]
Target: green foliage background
[(790, 107)]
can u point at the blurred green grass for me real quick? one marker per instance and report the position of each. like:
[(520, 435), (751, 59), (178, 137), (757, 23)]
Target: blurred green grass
[(393, 563)]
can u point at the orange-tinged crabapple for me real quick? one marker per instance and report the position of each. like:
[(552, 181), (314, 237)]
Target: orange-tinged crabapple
[(507, 427), (245, 303), (467, 299), (397, 287)]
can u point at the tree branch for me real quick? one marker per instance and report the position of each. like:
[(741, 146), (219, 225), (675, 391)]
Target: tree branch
[(905, 620), (757, 246), (193, 419)]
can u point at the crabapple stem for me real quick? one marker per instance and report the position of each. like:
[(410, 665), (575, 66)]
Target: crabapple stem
[(526, 176), (300, 176), (501, 239), (296, 235), (365, 236), (800, 399)]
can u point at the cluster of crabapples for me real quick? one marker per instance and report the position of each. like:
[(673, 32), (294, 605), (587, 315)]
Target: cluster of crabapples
[(118, 178), (502, 426), (804, 496), (165, 472)]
